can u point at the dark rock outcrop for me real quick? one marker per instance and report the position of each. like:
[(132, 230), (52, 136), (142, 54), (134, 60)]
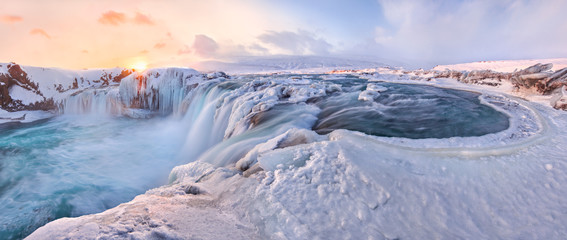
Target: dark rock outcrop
[(15, 77), (559, 101)]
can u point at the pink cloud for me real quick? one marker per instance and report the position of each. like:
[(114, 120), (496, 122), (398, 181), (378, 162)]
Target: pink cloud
[(39, 31), (11, 19), (112, 18), (142, 19), (205, 46), (159, 45)]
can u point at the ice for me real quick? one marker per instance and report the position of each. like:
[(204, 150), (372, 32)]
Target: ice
[(23, 116), (372, 91), (251, 165), (158, 89)]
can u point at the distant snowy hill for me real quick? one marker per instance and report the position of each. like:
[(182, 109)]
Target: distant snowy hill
[(304, 64)]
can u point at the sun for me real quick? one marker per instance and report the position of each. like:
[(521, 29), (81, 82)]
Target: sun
[(139, 66)]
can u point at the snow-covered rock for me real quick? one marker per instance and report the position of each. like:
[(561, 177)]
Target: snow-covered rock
[(35, 88), (559, 100), (537, 78), (507, 66)]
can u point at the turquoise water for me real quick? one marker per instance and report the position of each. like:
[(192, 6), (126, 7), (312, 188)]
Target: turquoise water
[(76, 165), (410, 111), (73, 165)]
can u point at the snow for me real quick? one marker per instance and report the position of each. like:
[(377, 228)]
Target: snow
[(26, 96), (349, 186), (284, 181), (149, 217), (504, 66), (23, 116), (372, 91), (49, 78)]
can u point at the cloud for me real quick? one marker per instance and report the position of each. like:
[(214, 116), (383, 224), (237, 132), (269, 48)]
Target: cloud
[(258, 48), (84, 51), (142, 19), (205, 46), (144, 52), (300, 42), (117, 18), (185, 50), (11, 19), (459, 31), (112, 18), (39, 31), (159, 45)]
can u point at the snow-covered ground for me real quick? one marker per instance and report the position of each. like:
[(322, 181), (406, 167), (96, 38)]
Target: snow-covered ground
[(504, 65), (252, 175)]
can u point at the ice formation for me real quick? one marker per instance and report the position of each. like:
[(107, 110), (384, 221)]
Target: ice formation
[(252, 164)]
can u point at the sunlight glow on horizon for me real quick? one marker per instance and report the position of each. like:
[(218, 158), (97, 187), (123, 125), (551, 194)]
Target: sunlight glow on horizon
[(139, 66)]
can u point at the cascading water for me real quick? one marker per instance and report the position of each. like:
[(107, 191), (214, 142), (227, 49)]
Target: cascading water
[(78, 164)]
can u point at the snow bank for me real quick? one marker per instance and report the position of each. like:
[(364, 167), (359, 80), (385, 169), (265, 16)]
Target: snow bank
[(166, 213)]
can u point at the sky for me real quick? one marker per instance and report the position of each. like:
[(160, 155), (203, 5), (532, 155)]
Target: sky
[(79, 34)]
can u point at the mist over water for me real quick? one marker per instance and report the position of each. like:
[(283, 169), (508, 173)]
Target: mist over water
[(76, 165), (92, 158)]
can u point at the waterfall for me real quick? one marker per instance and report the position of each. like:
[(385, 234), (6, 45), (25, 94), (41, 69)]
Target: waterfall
[(95, 102), (157, 91), (223, 119), (219, 116)]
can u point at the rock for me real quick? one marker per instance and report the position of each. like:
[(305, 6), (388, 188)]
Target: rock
[(530, 80), (217, 75), (556, 80), (536, 69), (559, 101), (15, 76), (537, 76)]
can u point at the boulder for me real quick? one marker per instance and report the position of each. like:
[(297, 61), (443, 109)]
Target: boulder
[(557, 79), (559, 101), (536, 69)]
